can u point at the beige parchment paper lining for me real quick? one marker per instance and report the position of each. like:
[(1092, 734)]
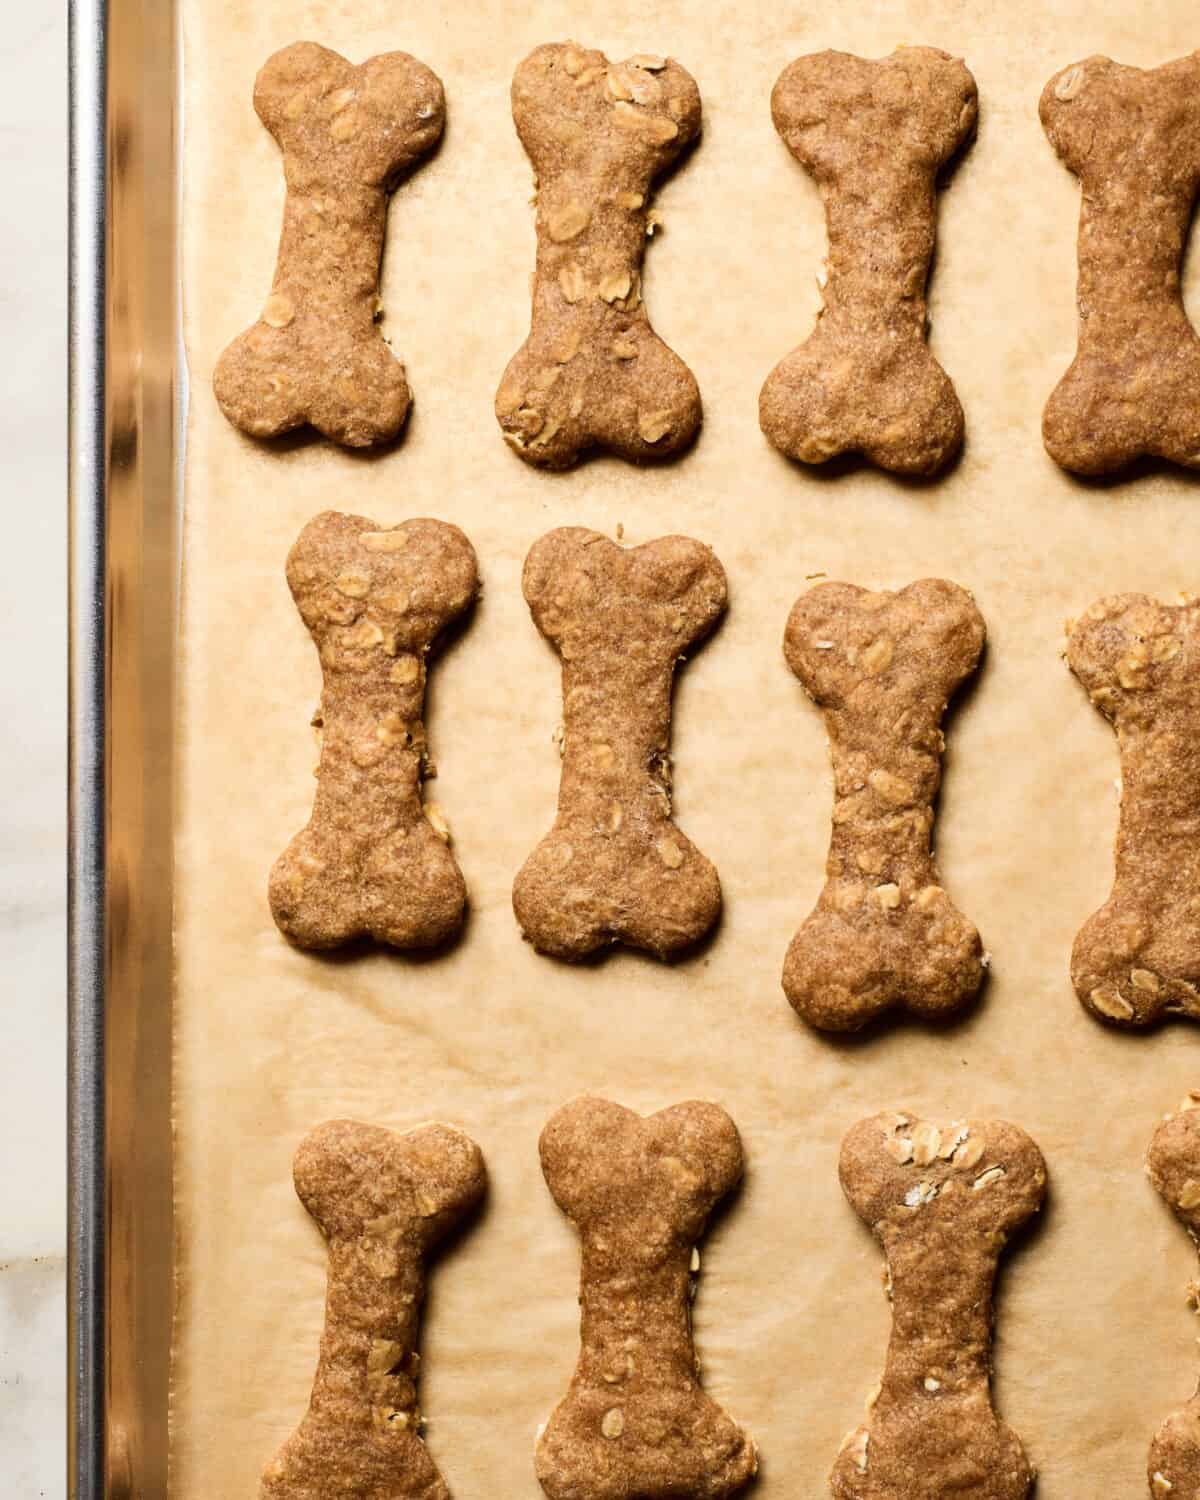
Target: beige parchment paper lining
[(1094, 1343)]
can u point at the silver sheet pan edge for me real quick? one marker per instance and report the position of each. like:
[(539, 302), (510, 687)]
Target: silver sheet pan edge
[(123, 496)]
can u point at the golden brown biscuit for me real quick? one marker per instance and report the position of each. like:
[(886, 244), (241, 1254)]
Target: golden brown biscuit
[(373, 860), (882, 668), (382, 1201), (1132, 137), (635, 1423), (593, 373), (942, 1201), (315, 355), (615, 868), (874, 134), (1137, 959), (1173, 1165)]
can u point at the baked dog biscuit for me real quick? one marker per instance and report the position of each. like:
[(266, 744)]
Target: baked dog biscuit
[(1132, 137), (1173, 1164), (942, 1201), (874, 134), (315, 355), (635, 1423), (373, 860), (382, 1201), (615, 868), (1137, 959), (593, 373), (882, 668)]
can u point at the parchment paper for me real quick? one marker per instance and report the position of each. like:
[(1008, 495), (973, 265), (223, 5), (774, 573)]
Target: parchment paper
[(1094, 1343)]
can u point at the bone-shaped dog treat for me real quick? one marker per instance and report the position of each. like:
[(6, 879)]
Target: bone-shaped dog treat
[(593, 373), (1173, 1165), (615, 868), (873, 134), (882, 668), (315, 355), (382, 1201), (635, 1423), (942, 1201), (1138, 957), (1132, 137), (373, 860)]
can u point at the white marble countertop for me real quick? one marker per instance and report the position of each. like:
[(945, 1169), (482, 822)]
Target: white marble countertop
[(33, 625)]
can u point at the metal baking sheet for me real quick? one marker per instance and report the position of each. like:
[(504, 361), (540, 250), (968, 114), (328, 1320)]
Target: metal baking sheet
[(125, 408), (1095, 1346)]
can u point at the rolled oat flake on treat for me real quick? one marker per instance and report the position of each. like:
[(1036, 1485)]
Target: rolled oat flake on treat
[(635, 1421), (874, 133), (316, 354), (942, 1199), (593, 373)]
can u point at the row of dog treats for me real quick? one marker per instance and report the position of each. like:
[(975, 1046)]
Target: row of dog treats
[(374, 859), (942, 1200), (593, 374)]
